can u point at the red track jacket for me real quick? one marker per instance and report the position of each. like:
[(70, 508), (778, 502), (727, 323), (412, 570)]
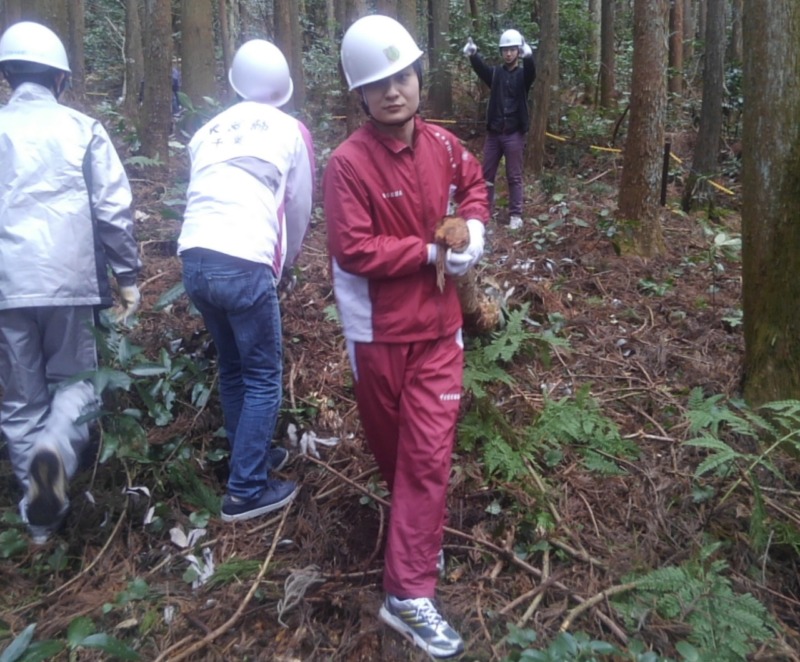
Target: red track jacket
[(383, 200)]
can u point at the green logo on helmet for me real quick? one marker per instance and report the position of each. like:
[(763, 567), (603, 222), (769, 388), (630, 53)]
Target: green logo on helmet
[(391, 53)]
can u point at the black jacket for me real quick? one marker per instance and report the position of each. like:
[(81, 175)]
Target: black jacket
[(512, 86)]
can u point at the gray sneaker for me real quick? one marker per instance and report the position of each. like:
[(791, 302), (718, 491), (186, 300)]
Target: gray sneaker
[(420, 621), (45, 504)]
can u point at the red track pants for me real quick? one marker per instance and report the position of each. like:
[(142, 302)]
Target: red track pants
[(408, 399)]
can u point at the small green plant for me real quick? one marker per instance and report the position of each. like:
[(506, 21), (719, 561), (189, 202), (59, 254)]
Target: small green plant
[(568, 647), (81, 635), (655, 288), (724, 625), (578, 423), (774, 429)]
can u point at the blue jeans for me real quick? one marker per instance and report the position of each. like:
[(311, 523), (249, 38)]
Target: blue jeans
[(239, 304), (512, 147)]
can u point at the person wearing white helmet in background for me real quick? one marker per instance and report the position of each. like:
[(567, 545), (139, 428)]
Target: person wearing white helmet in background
[(507, 119), (65, 218), (247, 211), (385, 189)]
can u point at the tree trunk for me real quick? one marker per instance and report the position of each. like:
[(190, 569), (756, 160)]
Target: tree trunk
[(771, 201), (407, 17), (608, 66), (75, 16), (289, 39), (386, 7), (735, 45), (330, 20), (198, 66), (593, 51), (440, 97), (10, 12), (705, 162), (156, 114), (700, 19), (227, 42), (688, 31), (639, 193), (134, 60), (546, 82), (354, 9), (675, 84)]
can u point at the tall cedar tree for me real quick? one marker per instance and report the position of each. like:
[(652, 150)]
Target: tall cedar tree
[(771, 200)]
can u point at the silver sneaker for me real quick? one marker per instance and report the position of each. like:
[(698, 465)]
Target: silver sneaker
[(420, 621), (515, 222)]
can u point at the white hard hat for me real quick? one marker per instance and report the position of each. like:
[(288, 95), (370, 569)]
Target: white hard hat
[(33, 43), (510, 38), (260, 73), (376, 47)]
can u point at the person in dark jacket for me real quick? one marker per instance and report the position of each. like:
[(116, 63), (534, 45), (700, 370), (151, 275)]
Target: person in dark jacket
[(507, 119)]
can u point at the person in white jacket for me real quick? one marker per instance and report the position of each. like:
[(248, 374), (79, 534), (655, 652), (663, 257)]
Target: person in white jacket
[(248, 208), (65, 218)]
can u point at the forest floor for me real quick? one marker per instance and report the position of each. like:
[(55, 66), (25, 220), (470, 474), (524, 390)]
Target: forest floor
[(636, 337)]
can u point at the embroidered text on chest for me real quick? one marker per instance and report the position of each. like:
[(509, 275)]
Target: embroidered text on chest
[(392, 194)]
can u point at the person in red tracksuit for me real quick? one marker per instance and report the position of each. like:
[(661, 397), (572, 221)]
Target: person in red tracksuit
[(385, 189)]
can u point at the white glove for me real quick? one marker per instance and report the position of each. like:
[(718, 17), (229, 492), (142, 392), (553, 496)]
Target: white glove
[(527, 51), (433, 253), (470, 48), (457, 264), (129, 299), (475, 248)]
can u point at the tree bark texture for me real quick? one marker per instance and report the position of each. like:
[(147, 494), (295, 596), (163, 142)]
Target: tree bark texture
[(440, 95), (77, 29), (608, 66), (593, 51), (354, 9), (134, 59), (198, 65), (675, 83), (735, 50), (544, 85), (689, 13), (407, 17), (771, 200), (289, 39), (156, 115), (705, 163), (226, 41), (639, 194)]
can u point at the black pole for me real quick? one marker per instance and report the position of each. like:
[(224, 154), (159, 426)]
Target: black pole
[(665, 173)]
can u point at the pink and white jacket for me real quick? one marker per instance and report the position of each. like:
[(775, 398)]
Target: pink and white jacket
[(252, 180)]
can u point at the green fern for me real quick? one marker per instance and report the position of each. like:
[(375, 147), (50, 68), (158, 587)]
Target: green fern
[(723, 625), (507, 342), (484, 364), (503, 455), (480, 371), (578, 422)]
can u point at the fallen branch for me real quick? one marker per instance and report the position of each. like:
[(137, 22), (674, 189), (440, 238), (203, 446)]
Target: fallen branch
[(504, 553), (227, 625), (595, 599)]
